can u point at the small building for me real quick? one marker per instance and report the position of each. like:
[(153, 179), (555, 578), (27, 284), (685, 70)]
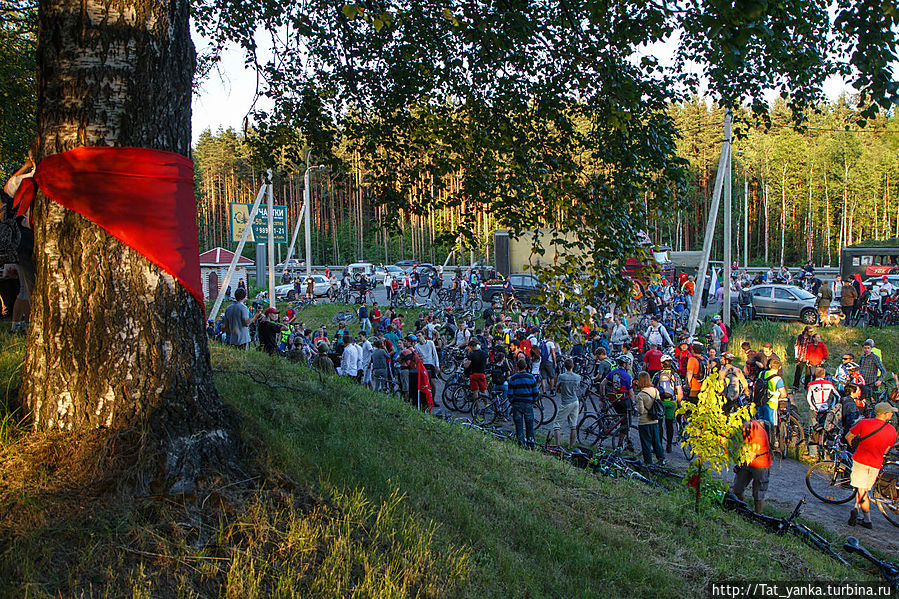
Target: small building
[(214, 265)]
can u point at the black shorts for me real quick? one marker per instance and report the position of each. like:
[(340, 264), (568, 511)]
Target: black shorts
[(621, 406)]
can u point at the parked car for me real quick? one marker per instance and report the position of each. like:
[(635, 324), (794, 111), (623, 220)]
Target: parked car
[(784, 301), (874, 281), (292, 264), (356, 269), (407, 266), (381, 272), (526, 286), (287, 292)]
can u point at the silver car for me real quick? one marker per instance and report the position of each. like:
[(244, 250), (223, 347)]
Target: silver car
[(784, 301)]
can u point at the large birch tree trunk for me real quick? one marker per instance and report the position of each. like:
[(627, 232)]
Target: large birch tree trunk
[(113, 342)]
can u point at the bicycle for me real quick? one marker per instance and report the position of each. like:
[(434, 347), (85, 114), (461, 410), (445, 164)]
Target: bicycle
[(402, 298), (784, 525), (790, 432), (593, 429), (300, 304), (615, 465), (829, 481), (888, 570), (347, 317)]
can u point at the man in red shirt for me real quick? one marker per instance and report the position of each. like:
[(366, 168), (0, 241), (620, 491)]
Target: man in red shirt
[(757, 464), (876, 436), (815, 355), (653, 360)]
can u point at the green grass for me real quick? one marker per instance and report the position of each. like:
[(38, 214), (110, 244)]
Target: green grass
[(357, 494)]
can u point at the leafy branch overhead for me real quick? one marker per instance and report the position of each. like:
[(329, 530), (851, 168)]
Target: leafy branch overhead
[(551, 114)]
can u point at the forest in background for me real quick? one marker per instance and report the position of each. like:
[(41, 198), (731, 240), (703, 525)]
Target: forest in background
[(810, 193)]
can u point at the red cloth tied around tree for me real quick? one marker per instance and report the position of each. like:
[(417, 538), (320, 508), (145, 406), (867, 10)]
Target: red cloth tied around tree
[(142, 197)]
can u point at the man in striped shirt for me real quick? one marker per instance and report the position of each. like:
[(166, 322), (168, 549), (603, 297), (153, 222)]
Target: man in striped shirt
[(871, 369), (523, 394)]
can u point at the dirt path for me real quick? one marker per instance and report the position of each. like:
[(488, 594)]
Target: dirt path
[(785, 489)]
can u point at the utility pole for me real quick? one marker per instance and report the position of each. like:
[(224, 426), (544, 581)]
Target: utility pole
[(745, 215), (271, 240), (728, 224), (723, 163)]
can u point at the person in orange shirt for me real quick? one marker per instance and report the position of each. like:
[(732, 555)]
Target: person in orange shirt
[(688, 288), (697, 369), (757, 466)]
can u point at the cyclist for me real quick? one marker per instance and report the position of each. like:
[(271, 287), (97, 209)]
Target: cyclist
[(820, 395), (671, 391), (875, 438), (777, 391), (757, 464), (523, 394), (871, 368), (618, 391), (736, 388), (508, 293), (697, 369), (568, 384), (475, 364)]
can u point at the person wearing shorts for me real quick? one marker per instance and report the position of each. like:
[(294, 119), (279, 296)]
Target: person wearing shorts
[(875, 438), (567, 414), (476, 366), (757, 466)]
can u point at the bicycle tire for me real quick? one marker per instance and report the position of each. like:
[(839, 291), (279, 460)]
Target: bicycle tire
[(549, 408), (589, 430), (488, 413), (819, 481), (888, 507)]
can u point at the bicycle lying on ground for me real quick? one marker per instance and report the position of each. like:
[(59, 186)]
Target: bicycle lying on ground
[(784, 525), (888, 570), (829, 482)]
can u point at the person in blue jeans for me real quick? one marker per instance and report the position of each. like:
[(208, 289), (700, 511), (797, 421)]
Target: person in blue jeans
[(523, 394)]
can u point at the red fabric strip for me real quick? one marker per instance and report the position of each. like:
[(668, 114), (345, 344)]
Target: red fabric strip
[(142, 197)]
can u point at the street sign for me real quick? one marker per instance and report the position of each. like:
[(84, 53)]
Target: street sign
[(240, 214)]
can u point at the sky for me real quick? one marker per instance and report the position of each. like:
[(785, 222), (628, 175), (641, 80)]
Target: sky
[(226, 95)]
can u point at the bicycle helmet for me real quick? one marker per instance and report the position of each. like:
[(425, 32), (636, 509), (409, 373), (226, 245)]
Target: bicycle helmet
[(666, 358), (623, 359), (411, 338), (852, 366)]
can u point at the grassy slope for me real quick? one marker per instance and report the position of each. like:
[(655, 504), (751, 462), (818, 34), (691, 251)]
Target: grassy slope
[(359, 494), (534, 526)]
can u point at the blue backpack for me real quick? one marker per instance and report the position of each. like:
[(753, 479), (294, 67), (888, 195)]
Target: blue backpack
[(544, 351)]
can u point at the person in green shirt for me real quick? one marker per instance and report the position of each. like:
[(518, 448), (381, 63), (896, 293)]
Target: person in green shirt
[(776, 392)]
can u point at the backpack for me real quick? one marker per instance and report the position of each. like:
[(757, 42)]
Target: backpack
[(731, 386), (664, 384), (703, 368), (760, 390), (657, 411), (544, 351), (619, 391)]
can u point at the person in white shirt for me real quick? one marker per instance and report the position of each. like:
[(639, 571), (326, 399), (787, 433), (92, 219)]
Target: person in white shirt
[(885, 290), (657, 335), (820, 392), (366, 349), (837, 288), (463, 335), (619, 335), (428, 352), (351, 359)]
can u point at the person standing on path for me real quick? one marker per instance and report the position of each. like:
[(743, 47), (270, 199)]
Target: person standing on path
[(671, 392), (875, 438), (568, 384), (523, 394), (848, 297), (757, 465), (647, 421), (825, 296), (777, 391)]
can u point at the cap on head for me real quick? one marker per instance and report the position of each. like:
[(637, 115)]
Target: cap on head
[(869, 342), (271, 311), (884, 407)]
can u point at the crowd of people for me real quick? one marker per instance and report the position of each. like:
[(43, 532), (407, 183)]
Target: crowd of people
[(640, 366)]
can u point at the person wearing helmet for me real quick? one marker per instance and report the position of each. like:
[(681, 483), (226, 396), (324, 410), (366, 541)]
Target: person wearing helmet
[(617, 388), (671, 392), (736, 388), (697, 369)]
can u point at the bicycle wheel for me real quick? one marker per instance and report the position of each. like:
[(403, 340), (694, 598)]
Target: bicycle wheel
[(829, 482), (886, 491), (423, 291), (790, 434), (488, 412), (549, 408), (611, 426), (589, 430)]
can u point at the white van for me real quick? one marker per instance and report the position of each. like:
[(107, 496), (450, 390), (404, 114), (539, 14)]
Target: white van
[(356, 269)]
